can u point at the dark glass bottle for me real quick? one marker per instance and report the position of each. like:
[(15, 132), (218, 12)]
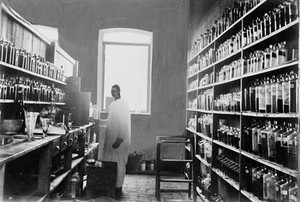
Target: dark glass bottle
[(19, 99), (284, 145), (268, 95), (292, 142), (293, 92)]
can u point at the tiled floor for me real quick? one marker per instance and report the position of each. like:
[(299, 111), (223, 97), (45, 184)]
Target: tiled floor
[(141, 188)]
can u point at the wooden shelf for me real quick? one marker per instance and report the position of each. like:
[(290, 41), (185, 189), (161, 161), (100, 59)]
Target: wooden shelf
[(228, 81), (290, 25), (250, 196), (192, 90), (191, 130), (227, 179), (270, 115), (12, 67), (206, 68), (227, 112), (205, 111), (226, 146), (32, 102), (54, 183), (203, 161), (6, 101), (271, 164), (204, 136), (271, 69), (91, 147), (229, 28), (206, 86), (228, 57), (192, 75), (189, 109), (198, 190)]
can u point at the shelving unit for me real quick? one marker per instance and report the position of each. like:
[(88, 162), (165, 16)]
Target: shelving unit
[(50, 162), (3, 101), (240, 116), (29, 73)]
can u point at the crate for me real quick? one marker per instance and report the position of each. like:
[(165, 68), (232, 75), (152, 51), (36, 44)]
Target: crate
[(101, 180)]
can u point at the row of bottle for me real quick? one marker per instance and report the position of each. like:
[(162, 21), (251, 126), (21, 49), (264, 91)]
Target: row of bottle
[(204, 185), (192, 103), (205, 99), (193, 69), (229, 167), (230, 46), (276, 94), (206, 59), (229, 135), (228, 17), (30, 90), (271, 21), (192, 123), (204, 125), (193, 84), (272, 56), (228, 102), (206, 79), (230, 71), (277, 143), (267, 185), (10, 54), (205, 150)]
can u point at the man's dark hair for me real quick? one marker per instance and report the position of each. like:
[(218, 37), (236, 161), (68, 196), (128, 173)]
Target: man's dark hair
[(117, 87)]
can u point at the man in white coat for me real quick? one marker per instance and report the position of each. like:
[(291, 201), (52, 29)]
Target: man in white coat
[(118, 136)]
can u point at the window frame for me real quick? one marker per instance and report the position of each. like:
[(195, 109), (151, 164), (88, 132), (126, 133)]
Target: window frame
[(101, 65)]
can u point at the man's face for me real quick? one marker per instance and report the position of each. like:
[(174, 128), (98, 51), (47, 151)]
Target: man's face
[(114, 93)]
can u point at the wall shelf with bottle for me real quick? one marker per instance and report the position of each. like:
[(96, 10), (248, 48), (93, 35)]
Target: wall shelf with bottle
[(252, 53)]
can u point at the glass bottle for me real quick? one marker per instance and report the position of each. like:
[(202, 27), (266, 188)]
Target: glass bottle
[(262, 96), (284, 145), (264, 140), (272, 142), (278, 188), (268, 95), (292, 141), (293, 92), (266, 178), (273, 95), (271, 187), (248, 178), (286, 93), (279, 94), (284, 191), (293, 194)]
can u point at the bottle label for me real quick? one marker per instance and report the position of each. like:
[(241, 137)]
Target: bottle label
[(286, 93), (262, 104), (284, 192)]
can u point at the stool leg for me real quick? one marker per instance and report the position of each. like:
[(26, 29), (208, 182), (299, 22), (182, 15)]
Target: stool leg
[(157, 185)]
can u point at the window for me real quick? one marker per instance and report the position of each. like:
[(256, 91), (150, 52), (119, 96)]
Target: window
[(126, 61)]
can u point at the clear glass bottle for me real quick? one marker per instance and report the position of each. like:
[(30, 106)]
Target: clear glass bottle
[(284, 145), (264, 140)]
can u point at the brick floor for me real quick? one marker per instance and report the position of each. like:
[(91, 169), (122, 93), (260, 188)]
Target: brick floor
[(141, 188)]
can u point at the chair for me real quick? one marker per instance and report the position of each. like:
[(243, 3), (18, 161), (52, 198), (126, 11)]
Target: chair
[(160, 178)]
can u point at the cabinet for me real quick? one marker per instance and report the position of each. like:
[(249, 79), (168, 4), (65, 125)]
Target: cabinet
[(224, 65), (41, 169)]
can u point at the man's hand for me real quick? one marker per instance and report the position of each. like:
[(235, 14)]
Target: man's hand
[(117, 143)]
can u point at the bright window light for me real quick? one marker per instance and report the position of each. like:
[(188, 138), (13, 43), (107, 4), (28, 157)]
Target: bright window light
[(127, 60)]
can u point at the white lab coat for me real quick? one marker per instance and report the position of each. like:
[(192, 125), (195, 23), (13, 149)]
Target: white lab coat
[(118, 125)]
